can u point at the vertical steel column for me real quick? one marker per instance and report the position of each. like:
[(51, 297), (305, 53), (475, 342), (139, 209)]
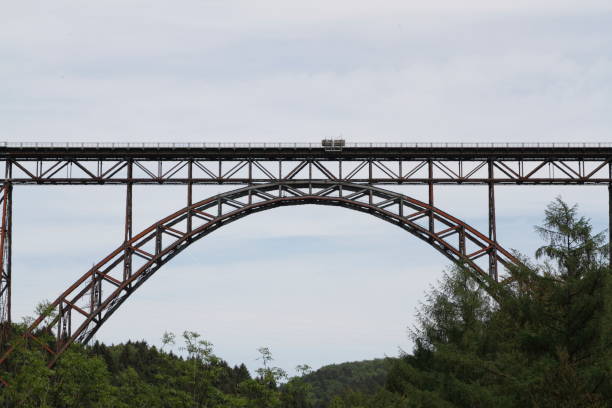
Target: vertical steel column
[(127, 261), (340, 176), (96, 292), (189, 193), (64, 324), (310, 176), (8, 248), (370, 197), (492, 226), (5, 257), (610, 214), (431, 194), (60, 325), (280, 177), (250, 181), (158, 243)]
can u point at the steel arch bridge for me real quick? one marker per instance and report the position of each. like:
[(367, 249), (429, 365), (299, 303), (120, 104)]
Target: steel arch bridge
[(332, 175)]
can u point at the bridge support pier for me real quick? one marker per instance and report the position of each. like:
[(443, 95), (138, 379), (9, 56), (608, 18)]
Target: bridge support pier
[(6, 196)]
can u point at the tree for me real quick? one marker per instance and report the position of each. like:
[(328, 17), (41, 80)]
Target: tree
[(168, 338), (269, 375), (570, 240), (262, 391), (204, 361), (30, 383), (297, 393), (303, 369), (545, 342), (81, 381), (43, 308)]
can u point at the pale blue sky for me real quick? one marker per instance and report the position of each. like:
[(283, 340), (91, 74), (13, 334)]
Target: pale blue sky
[(317, 285)]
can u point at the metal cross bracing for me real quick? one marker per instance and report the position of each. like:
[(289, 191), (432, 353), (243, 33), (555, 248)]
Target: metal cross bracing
[(276, 174)]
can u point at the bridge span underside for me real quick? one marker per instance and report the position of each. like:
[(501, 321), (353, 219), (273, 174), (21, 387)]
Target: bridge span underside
[(273, 175)]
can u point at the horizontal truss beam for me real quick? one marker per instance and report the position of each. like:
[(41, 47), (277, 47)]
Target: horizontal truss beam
[(552, 170)]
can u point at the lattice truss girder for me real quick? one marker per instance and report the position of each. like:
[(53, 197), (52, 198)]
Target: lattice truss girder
[(247, 171), (78, 313)]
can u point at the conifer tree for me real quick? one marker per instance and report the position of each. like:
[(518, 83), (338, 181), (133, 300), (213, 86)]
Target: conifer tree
[(545, 342)]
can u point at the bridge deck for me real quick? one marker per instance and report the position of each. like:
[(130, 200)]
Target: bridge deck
[(301, 151)]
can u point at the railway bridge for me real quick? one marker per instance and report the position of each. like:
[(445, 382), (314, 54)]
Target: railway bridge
[(358, 176)]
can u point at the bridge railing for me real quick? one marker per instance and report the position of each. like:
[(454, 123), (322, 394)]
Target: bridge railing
[(249, 145)]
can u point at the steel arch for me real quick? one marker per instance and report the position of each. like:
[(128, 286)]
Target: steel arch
[(96, 295)]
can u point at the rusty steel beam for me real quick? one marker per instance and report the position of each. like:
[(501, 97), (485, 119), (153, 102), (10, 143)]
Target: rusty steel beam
[(5, 263), (127, 263), (430, 194), (492, 223), (189, 194), (6, 203), (374, 170)]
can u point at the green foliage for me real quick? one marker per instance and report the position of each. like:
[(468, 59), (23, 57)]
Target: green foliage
[(269, 375), (135, 375), (366, 377), (168, 338), (297, 393), (545, 343), (380, 399), (570, 240), (82, 381), (30, 381)]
